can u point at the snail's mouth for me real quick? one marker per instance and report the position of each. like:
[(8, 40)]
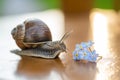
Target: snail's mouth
[(65, 50), (63, 47)]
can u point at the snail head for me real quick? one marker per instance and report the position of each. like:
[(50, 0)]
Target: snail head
[(61, 42)]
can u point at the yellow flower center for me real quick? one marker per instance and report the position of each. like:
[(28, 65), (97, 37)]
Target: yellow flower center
[(80, 47), (84, 54), (76, 54)]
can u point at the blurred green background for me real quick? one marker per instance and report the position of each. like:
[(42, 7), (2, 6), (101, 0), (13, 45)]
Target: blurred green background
[(104, 4), (12, 7)]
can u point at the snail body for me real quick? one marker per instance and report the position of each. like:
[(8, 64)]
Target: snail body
[(34, 38), (47, 50)]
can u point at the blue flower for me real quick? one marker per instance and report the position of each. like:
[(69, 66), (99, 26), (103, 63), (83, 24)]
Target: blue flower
[(86, 54), (76, 55), (90, 43), (82, 52), (77, 47), (94, 56), (94, 52), (83, 45)]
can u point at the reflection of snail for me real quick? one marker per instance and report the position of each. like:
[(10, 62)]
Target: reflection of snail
[(38, 68), (34, 38)]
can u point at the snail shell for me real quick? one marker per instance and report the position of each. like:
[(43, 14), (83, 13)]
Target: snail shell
[(31, 31)]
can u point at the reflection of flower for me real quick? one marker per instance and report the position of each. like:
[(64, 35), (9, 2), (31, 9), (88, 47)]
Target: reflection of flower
[(82, 52)]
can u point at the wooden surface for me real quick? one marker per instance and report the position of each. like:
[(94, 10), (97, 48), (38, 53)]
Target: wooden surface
[(103, 28)]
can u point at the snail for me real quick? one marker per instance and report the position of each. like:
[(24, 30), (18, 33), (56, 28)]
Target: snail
[(35, 39)]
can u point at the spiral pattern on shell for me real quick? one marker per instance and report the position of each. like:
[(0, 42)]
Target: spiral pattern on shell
[(31, 31)]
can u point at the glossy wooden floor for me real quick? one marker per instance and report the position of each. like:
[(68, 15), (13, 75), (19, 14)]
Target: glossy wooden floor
[(101, 26)]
